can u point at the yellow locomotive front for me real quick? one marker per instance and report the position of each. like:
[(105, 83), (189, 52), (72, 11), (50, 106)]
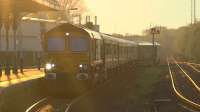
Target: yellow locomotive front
[(67, 59)]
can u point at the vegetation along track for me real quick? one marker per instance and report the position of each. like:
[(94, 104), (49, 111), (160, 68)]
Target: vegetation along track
[(183, 85)]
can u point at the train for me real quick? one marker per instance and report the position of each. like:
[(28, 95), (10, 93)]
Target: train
[(148, 53), (78, 58)]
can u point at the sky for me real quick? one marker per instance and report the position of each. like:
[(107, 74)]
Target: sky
[(134, 16)]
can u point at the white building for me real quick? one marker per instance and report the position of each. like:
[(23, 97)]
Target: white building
[(28, 41), (28, 37)]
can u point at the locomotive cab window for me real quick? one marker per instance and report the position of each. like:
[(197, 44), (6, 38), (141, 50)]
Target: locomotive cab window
[(78, 44), (56, 44)]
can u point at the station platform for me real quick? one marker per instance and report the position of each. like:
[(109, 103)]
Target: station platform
[(29, 74)]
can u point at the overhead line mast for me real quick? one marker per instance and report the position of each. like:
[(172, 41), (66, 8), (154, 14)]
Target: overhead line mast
[(193, 12)]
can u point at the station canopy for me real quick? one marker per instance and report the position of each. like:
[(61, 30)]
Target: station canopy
[(8, 6)]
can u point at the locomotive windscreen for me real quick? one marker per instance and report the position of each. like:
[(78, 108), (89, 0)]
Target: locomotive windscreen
[(56, 44), (78, 44)]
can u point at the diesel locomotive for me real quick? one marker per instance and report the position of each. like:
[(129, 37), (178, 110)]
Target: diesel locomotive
[(78, 58)]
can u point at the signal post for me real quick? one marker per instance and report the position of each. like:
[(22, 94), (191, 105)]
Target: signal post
[(154, 31)]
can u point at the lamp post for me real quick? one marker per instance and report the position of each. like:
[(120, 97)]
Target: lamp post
[(0, 33), (0, 48), (7, 27), (16, 19)]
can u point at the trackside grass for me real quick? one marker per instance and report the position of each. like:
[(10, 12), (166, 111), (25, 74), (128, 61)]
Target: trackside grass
[(145, 82)]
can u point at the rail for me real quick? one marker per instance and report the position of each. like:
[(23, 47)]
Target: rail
[(30, 109), (193, 67), (183, 98), (189, 78)]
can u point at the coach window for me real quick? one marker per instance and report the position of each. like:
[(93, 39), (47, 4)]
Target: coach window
[(107, 50), (127, 52), (102, 50), (98, 49), (111, 51), (115, 51), (93, 47)]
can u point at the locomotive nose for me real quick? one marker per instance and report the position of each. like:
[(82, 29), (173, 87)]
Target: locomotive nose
[(51, 76), (82, 76)]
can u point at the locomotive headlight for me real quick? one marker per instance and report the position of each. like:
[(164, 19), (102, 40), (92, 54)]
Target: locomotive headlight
[(83, 66), (49, 66), (67, 34)]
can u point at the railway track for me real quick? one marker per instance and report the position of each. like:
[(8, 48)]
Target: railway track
[(194, 66), (49, 105), (54, 104), (59, 105), (33, 107), (184, 86), (193, 72), (193, 80)]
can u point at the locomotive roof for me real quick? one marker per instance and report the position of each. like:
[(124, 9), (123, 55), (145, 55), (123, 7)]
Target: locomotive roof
[(94, 34)]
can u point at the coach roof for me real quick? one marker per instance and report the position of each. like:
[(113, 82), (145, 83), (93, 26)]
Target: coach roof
[(148, 44)]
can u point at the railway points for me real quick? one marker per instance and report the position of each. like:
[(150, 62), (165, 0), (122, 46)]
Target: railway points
[(193, 73), (194, 81), (183, 85), (194, 66)]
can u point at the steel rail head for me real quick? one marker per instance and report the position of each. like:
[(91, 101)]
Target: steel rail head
[(188, 77), (192, 63), (178, 93), (35, 104), (193, 67)]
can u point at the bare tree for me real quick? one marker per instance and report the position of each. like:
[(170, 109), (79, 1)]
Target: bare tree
[(68, 5)]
